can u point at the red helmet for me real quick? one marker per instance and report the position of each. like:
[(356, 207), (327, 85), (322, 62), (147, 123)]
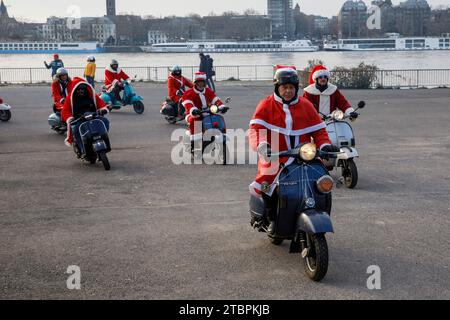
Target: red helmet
[(56, 56)]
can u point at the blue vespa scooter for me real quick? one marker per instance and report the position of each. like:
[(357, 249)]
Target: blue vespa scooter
[(129, 98), (304, 206)]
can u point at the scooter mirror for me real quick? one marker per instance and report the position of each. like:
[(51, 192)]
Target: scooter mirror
[(361, 104)]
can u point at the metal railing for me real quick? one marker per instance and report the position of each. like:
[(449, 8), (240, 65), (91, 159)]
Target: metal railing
[(414, 78)]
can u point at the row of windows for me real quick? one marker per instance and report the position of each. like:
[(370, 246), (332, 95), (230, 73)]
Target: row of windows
[(28, 45), (248, 46), (383, 41)]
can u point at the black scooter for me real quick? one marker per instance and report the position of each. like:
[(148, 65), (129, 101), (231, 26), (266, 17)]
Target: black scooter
[(94, 144), (304, 207)]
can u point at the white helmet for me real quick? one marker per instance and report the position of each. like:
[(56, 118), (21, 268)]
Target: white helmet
[(91, 59)]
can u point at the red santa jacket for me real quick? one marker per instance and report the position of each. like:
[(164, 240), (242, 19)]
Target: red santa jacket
[(328, 101), (275, 122), (112, 77), (67, 111), (176, 83), (59, 93), (194, 99)]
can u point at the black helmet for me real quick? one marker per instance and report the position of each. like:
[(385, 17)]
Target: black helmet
[(286, 76)]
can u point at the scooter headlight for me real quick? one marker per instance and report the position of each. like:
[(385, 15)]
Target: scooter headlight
[(325, 184), (337, 115), (308, 152), (214, 109)]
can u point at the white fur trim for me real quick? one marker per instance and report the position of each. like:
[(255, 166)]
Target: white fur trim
[(215, 100), (321, 73), (314, 91), (119, 70), (187, 102), (284, 131), (325, 105), (192, 110), (349, 111)]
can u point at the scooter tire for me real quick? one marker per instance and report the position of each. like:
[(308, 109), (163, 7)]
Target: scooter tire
[(350, 174), (316, 264), (138, 107), (5, 115), (104, 159)]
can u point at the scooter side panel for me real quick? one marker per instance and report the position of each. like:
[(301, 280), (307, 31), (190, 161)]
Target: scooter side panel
[(106, 98)]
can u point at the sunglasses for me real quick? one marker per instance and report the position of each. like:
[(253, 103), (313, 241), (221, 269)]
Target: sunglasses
[(322, 77)]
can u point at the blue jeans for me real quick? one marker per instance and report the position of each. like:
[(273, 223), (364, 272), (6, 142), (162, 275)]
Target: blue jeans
[(91, 81)]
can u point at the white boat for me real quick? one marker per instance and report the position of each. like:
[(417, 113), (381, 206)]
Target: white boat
[(232, 47), (389, 44), (49, 47)]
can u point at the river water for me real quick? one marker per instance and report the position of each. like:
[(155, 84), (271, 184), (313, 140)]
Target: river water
[(384, 60)]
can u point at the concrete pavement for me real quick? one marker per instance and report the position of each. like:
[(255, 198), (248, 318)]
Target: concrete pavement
[(152, 230)]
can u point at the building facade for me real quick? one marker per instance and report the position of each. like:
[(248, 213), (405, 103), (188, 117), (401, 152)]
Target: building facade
[(281, 14), (111, 8), (157, 36)]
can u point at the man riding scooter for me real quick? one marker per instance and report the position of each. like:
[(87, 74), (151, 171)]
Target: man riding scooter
[(113, 79), (195, 100), (61, 87), (81, 100), (282, 122), (325, 96), (176, 86)]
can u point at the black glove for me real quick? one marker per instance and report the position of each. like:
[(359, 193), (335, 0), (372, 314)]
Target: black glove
[(102, 112), (354, 115), (330, 149), (180, 93), (224, 109), (265, 151), (196, 113)]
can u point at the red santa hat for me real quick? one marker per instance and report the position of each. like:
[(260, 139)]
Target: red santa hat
[(200, 76), (318, 71)]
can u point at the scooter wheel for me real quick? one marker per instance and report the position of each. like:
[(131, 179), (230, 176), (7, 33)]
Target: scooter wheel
[(316, 263), (5, 115), (350, 174), (139, 107), (105, 161)]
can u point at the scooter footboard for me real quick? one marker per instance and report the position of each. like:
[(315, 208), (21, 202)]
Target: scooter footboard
[(314, 222)]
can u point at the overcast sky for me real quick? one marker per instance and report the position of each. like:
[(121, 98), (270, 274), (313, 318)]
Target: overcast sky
[(39, 10)]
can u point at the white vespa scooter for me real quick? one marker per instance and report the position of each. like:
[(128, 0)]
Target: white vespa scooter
[(5, 111), (341, 135)]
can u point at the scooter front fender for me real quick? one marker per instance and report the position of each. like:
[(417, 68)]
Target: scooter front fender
[(137, 98), (348, 153), (5, 107), (314, 222)]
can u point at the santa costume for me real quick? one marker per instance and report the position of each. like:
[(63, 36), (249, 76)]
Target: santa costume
[(174, 84), (325, 99), (194, 99), (283, 125), (112, 77), (70, 105)]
